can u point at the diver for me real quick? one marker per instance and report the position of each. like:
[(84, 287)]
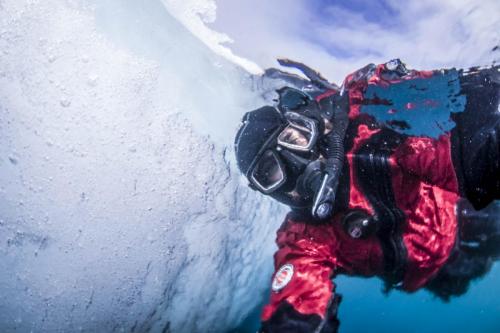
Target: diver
[(369, 194)]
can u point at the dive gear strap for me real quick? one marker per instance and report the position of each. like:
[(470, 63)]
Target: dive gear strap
[(373, 172)]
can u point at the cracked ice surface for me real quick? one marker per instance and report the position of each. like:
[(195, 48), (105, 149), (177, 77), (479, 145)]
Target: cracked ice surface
[(121, 208)]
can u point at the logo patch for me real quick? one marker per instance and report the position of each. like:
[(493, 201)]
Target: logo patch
[(282, 277)]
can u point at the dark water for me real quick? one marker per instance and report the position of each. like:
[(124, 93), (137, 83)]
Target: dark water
[(365, 308)]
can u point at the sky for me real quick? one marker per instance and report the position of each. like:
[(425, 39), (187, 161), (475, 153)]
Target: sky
[(339, 36)]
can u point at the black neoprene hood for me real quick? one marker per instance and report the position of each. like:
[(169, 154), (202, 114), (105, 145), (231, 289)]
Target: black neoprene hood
[(256, 128)]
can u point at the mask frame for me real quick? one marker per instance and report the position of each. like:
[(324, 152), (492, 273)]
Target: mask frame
[(301, 124)]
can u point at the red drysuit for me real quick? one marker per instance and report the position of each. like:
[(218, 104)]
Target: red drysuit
[(425, 189)]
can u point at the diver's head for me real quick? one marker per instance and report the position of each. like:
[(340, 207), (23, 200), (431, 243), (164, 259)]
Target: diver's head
[(277, 152)]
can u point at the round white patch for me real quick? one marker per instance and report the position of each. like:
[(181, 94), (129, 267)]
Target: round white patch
[(282, 277)]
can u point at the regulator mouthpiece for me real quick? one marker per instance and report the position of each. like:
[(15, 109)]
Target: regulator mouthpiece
[(324, 210), (325, 197)]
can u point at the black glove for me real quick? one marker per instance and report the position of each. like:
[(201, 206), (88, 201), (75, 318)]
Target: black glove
[(288, 320)]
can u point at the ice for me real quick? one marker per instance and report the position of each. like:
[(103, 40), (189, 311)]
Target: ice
[(65, 102), (121, 207)]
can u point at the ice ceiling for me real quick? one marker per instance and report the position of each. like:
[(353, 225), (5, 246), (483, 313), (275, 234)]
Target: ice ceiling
[(120, 205)]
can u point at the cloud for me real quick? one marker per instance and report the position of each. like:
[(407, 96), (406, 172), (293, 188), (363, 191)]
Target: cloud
[(337, 37)]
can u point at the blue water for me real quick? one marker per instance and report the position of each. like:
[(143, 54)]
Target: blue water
[(365, 308), (424, 105)]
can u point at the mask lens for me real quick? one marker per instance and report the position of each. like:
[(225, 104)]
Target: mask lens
[(268, 172), (295, 137), (300, 134)]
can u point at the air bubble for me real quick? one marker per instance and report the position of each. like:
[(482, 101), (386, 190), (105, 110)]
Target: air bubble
[(92, 80), (52, 58), (65, 102)]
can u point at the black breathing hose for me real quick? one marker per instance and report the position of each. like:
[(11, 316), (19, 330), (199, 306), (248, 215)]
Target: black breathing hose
[(324, 197)]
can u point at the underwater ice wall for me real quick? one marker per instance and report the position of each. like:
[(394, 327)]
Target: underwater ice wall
[(121, 208)]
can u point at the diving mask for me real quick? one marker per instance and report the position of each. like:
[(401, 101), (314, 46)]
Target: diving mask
[(268, 173)]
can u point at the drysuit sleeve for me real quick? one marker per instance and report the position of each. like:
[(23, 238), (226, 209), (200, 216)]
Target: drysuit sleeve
[(302, 298), (430, 160)]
